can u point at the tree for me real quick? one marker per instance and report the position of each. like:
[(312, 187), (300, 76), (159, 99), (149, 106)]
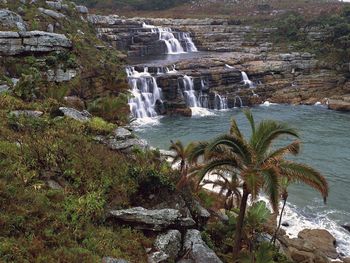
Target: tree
[(181, 156), (260, 166)]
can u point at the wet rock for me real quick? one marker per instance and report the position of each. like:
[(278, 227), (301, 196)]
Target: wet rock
[(156, 220), (168, 245), (11, 19), (26, 113), (321, 239), (82, 116), (51, 13), (341, 104), (15, 43), (122, 134), (198, 251), (285, 224), (114, 260), (4, 88)]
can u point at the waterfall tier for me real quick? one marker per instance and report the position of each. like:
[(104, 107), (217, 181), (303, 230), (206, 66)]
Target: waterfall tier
[(145, 93)]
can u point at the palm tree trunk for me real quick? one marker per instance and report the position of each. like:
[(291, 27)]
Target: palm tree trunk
[(239, 227), (280, 220)]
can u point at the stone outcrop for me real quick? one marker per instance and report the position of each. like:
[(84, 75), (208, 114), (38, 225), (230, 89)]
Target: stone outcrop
[(156, 220), (15, 43), (61, 75), (168, 246), (122, 133), (340, 103), (12, 20), (82, 116), (197, 250), (51, 13)]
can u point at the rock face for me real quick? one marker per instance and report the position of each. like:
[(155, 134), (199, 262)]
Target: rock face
[(321, 239), (156, 220), (198, 251), (82, 116), (168, 246), (61, 75), (15, 43), (12, 20)]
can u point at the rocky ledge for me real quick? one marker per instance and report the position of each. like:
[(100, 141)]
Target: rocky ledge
[(15, 43)]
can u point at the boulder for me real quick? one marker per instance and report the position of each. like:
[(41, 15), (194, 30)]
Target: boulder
[(15, 43), (82, 9), (155, 220), (122, 134), (126, 145), (347, 227), (339, 105), (322, 240), (198, 251), (54, 5), (168, 246), (27, 113), (82, 116), (11, 19), (113, 260), (4, 88)]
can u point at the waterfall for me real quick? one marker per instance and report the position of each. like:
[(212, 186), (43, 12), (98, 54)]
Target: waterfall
[(173, 40), (239, 100), (190, 94), (246, 80), (145, 93), (220, 102)]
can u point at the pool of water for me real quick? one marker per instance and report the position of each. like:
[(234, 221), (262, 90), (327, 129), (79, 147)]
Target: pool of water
[(326, 146)]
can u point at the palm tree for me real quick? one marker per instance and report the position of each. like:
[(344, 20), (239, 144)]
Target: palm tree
[(260, 166), (229, 185), (181, 157), (284, 183)]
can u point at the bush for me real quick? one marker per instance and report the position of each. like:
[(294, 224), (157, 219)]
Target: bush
[(99, 126)]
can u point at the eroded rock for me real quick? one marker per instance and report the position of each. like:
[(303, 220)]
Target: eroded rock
[(199, 251), (122, 134), (51, 13), (27, 113), (11, 19), (168, 245), (156, 220)]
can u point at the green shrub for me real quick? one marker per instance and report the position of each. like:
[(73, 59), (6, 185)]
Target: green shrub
[(99, 126)]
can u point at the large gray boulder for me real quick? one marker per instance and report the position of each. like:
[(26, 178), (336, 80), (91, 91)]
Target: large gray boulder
[(126, 145), (82, 9), (82, 116), (122, 134), (199, 251), (11, 19), (156, 220), (168, 246), (15, 43)]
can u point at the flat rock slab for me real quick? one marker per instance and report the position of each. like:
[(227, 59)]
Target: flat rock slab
[(156, 220), (123, 145), (122, 133)]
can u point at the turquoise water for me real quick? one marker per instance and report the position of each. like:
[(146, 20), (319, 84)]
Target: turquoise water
[(326, 146)]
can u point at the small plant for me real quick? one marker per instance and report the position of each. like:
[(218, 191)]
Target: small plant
[(99, 126)]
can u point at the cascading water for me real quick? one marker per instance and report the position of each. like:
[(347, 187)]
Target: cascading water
[(238, 98), (246, 80), (145, 93), (220, 102), (173, 40), (189, 92)]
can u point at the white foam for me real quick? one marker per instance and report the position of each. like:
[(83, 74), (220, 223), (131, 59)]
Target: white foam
[(201, 112), (140, 123)]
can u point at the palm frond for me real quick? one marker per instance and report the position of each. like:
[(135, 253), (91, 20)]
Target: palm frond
[(234, 130), (271, 186), (302, 173), (280, 153), (249, 115)]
